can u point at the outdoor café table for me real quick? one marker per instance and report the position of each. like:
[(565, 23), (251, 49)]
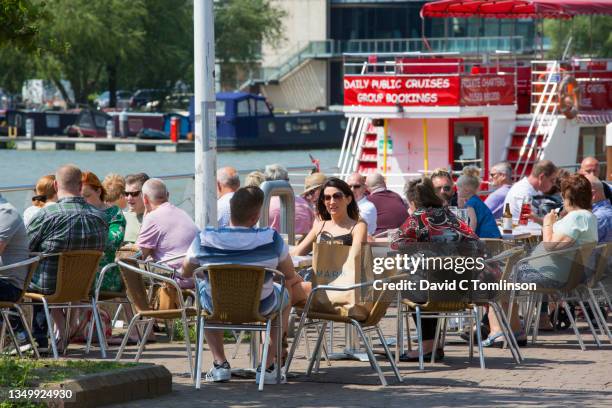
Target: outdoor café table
[(529, 234)]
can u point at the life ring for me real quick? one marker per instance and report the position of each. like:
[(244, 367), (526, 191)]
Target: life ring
[(568, 96)]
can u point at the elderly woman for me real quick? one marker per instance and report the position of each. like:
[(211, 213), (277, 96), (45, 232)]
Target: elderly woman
[(304, 216), (577, 227), (93, 192), (481, 218), (114, 185), (339, 218), (429, 221), (45, 194)]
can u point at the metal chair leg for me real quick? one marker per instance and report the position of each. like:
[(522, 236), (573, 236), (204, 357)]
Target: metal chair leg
[(237, 345), (316, 350), (590, 323), (126, 337), (144, 340), (2, 336), (479, 337), (507, 331), (296, 340), (371, 355), (27, 329), (12, 335), (99, 330), (187, 341), (573, 322), (50, 329), (198, 373), (388, 353), (66, 337), (264, 356), (116, 316), (595, 305), (436, 339), (419, 337)]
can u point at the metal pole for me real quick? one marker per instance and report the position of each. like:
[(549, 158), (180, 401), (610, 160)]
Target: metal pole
[(205, 114)]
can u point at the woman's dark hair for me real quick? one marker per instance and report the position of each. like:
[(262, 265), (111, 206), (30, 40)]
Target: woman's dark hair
[(352, 209), (421, 193), (577, 190)]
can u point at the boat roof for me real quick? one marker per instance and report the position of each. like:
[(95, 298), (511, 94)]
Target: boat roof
[(237, 96)]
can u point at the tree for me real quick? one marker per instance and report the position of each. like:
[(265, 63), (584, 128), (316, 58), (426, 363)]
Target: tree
[(241, 26), (591, 35), (20, 22)]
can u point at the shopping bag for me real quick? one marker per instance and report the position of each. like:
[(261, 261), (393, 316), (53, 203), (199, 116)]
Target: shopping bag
[(341, 265)]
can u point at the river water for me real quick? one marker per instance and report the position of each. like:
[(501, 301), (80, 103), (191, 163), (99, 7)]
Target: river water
[(25, 167)]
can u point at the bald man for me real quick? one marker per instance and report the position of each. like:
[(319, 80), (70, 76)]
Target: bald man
[(590, 165), (391, 211), (167, 231), (602, 210), (68, 225), (228, 182)]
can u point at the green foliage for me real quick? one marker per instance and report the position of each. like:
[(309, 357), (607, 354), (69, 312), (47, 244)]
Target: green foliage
[(581, 29), (241, 26), (20, 22)]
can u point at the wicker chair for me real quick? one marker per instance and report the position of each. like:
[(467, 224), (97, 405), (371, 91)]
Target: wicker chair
[(371, 322), (6, 306), (84, 265), (135, 280), (236, 295), (120, 298), (579, 256)]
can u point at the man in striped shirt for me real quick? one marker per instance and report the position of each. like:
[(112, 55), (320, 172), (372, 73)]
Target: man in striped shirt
[(68, 225), (242, 243)]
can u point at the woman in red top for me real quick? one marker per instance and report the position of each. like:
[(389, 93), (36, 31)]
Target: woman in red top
[(430, 221)]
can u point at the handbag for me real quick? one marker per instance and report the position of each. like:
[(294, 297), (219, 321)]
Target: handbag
[(341, 265)]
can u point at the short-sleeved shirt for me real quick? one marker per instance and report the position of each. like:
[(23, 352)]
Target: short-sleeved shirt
[(391, 211), (304, 216), (239, 245), (602, 210), (521, 188), (168, 231), (133, 223), (495, 200), (68, 225), (367, 211), (13, 233), (486, 227), (581, 226), (223, 210)]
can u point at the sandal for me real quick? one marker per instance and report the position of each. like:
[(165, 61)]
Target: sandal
[(491, 341)]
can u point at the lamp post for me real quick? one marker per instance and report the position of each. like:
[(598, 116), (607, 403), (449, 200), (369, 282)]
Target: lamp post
[(205, 114)]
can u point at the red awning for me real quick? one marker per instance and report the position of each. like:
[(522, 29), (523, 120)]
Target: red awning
[(516, 8)]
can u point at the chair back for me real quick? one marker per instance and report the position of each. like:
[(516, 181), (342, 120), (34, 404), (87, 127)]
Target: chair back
[(76, 271), (125, 253), (135, 284), (236, 293), (579, 266), (599, 259), (31, 270)]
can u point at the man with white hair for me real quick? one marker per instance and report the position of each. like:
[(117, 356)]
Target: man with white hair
[(602, 210), (391, 211), (228, 181), (304, 216), (500, 178), (367, 210), (167, 231)]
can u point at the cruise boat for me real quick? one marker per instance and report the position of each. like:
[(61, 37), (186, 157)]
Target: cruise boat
[(410, 113)]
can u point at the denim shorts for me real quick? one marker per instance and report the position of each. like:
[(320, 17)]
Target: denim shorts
[(274, 302)]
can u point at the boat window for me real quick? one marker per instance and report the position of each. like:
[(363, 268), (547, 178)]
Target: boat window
[(262, 108), (243, 108), (592, 142), (53, 121), (85, 121), (220, 107), (100, 121), (468, 148)]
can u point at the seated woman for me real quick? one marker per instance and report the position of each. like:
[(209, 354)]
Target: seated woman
[(429, 221), (95, 195), (481, 218), (577, 227), (44, 194), (338, 218)]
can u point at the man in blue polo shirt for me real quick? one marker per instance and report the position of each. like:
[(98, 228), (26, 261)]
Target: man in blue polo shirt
[(242, 243)]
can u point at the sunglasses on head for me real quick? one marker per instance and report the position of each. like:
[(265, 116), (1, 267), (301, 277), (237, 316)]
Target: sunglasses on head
[(41, 198), (131, 193), (336, 196)]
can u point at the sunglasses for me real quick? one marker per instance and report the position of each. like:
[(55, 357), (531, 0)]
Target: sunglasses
[(131, 193), (494, 174), (355, 186), (336, 196), (446, 189)]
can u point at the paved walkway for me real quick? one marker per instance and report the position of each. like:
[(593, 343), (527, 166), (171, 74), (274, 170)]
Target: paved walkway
[(555, 373)]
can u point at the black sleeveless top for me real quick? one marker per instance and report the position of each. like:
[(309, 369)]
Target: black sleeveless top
[(344, 239)]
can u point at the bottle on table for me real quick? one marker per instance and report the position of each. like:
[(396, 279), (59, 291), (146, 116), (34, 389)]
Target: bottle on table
[(507, 220)]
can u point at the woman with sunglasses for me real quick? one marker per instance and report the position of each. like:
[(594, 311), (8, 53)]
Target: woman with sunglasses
[(44, 194), (94, 193), (339, 219)]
